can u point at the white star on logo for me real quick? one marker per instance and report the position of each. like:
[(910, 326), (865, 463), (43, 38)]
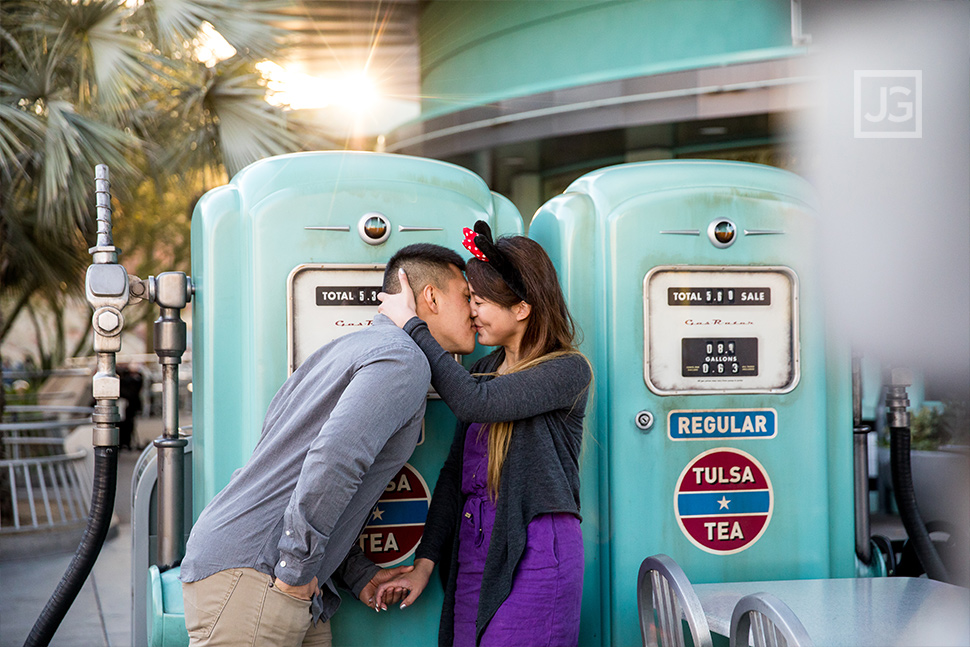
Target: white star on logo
[(378, 514), (724, 501)]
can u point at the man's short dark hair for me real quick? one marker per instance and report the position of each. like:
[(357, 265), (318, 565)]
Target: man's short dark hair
[(425, 264)]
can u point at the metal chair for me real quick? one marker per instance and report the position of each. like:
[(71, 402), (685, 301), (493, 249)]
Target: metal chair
[(666, 599), (768, 622)]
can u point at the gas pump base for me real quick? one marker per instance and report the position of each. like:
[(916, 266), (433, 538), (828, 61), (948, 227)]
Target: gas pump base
[(166, 615)]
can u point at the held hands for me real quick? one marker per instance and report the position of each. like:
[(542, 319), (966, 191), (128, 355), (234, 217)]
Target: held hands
[(412, 582), (304, 592), (368, 593), (399, 307)]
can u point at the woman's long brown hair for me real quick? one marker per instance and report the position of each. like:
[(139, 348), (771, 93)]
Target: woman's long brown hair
[(550, 331)]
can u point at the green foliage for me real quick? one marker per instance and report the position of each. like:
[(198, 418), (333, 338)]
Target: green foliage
[(932, 428), (926, 429), (112, 82)]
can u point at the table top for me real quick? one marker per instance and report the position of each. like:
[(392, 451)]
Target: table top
[(857, 612)]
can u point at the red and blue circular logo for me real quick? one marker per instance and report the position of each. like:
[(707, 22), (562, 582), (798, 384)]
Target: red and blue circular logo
[(723, 501), (396, 522)]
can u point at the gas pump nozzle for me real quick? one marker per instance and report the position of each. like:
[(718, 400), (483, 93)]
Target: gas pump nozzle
[(106, 288)]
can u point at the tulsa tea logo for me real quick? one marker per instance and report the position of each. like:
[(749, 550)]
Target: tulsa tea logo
[(888, 103), (723, 501), (396, 522)]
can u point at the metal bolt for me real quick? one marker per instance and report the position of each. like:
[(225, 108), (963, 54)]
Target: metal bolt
[(108, 320), (137, 288)]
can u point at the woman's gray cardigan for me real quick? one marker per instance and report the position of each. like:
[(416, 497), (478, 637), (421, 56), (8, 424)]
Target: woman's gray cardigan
[(541, 472)]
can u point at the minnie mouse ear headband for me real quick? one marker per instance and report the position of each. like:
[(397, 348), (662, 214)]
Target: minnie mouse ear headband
[(479, 243)]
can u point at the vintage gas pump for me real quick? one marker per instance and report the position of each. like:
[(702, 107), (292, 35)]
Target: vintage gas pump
[(287, 256), (723, 425)]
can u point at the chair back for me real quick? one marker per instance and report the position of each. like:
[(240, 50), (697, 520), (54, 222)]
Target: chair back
[(666, 598), (768, 622)]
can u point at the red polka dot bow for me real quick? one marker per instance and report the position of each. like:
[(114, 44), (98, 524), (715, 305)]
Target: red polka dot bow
[(470, 245)]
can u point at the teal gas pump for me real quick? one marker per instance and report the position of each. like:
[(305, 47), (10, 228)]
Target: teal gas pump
[(287, 256), (723, 416)]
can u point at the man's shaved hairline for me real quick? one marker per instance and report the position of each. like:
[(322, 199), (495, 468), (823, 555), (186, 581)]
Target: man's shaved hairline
[(421, 273), (425, 264)]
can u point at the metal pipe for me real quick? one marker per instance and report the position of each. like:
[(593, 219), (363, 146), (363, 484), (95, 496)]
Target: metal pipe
[(171, 474), (860, 459), (862, 525), (798, 37), (170, 400), (172, 292)]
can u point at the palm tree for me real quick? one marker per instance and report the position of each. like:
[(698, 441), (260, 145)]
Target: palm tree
[(119, 82)]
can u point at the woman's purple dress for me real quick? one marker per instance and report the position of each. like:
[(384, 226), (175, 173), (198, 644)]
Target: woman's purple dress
[(544, 605)]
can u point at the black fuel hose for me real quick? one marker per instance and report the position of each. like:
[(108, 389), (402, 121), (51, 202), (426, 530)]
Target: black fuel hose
[(899, 447), (102, 507)]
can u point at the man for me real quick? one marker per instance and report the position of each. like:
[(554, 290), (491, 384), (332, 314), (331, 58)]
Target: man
[(261, 560)]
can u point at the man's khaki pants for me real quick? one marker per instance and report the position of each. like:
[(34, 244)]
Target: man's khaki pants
[(240, 606)]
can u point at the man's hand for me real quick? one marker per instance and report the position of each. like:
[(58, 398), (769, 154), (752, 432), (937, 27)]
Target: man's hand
[(367, 594), (305, 592)]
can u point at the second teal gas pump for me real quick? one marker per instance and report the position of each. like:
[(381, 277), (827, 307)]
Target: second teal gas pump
[(722, 430)]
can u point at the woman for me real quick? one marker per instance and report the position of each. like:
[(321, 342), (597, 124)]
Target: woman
[(505, 511)]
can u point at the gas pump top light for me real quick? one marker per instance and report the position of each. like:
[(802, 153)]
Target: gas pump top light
[(374, 228), (722, 233)]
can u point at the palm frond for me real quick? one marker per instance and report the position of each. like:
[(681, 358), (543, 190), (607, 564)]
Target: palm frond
[(36, 258), (19, 132), (73, 145), (176, 22), (117, 63), (247, 26), (249, 128), (11, 41)]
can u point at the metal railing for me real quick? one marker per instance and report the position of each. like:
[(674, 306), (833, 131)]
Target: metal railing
[(41, 484), (45, 491)]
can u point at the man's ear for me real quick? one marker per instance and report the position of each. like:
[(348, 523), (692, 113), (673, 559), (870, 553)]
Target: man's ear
[(522, 311), (428, 297)]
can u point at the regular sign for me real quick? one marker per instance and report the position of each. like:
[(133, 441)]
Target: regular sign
[(723, 501), (396, 522)]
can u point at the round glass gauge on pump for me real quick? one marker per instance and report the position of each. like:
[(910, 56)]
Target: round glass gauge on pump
[(722, 233), (374, 228)]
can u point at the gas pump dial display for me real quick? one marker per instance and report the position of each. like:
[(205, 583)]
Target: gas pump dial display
[(327, 301), (720, 330)]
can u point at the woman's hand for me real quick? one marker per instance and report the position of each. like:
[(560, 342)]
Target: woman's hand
[(399, 307), (368, 593), (413, 582)]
